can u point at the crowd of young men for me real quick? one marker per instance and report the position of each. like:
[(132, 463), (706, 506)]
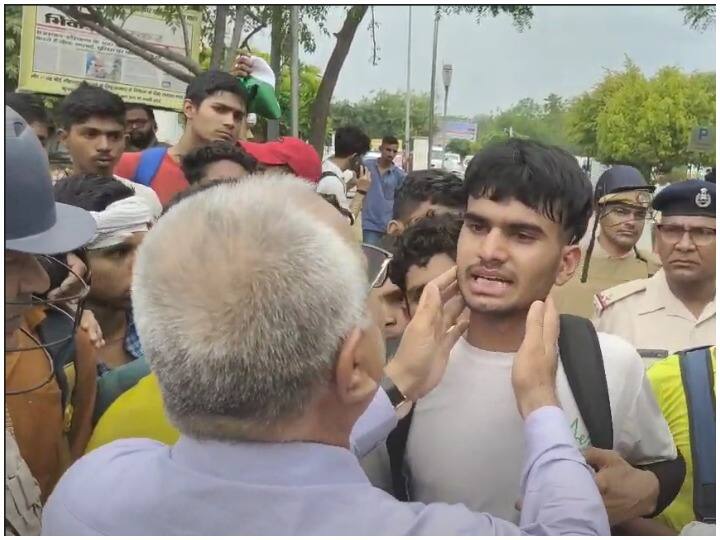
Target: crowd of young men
[(213, 301)]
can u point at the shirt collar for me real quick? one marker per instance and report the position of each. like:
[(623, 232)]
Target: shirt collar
[(278, 464), (659, 296)]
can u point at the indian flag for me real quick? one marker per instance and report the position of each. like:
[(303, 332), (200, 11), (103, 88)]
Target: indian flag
[(260, 87)]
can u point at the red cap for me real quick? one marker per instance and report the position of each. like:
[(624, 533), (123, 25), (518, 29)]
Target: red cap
[(296, 154)]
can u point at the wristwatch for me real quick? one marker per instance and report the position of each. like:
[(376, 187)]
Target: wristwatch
[(362, 192), (398, 400)]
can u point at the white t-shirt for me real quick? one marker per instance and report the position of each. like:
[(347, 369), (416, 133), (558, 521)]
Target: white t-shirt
[(466, 441), (333, 184)]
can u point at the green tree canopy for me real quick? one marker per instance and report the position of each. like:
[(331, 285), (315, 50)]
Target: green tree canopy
[(383, 113), (645, 122)]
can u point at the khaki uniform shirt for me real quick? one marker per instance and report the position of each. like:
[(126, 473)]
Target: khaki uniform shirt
[(604, 273), (648, 315)]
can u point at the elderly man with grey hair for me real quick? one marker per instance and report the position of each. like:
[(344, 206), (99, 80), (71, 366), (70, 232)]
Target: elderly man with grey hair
[(254, 312)]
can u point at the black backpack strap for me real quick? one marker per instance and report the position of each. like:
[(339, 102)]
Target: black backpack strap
[(396, 444), (582, 360), (329, 173), (58, 331), (697, 377)]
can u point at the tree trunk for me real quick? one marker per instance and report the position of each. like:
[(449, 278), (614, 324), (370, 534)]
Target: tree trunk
[(276, 33), (236, 35), (321, 105), (218, 46)]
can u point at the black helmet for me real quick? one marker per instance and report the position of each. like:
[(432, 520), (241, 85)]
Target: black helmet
[(34, 222), (620, 178)]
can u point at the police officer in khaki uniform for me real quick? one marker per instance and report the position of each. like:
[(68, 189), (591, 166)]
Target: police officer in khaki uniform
[(622, 200), (675, 309)]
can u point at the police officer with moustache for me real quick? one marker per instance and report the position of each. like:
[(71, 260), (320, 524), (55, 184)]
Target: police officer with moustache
[(675, 309), (622, 200)]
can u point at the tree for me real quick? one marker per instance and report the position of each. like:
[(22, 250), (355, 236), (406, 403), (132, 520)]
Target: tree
[(643, 122), (383, 113), (699, 17), (13, 20), (459, 146)]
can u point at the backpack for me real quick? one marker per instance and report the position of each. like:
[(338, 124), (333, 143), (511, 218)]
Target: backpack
[(583, 364), (149, 164), (58, 332), (698, 382)]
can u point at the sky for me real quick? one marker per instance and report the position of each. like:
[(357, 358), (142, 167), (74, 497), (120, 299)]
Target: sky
[(566, 51)]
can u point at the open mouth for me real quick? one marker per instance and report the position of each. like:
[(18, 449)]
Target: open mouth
[(489, 283)]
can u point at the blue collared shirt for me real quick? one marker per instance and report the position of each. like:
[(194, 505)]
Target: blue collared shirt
[(378, 205), (143, 487)]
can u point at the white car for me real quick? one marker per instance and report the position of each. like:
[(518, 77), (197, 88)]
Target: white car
[(437, 158), (452, 162), (467, 160)]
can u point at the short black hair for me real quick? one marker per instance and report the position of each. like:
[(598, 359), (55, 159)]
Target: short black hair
[(194, 189), (147, 108), (437, 186), (545, 178), (87, 101), (389, 139), (29, 106), (421, 242), (195, 163), (351, 140), (93, 192), (212, 81)]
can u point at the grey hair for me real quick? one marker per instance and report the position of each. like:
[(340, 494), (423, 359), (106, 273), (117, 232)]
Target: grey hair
[(242, 299)]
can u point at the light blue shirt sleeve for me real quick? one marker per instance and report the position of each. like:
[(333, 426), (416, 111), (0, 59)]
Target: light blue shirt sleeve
[(373, 427)]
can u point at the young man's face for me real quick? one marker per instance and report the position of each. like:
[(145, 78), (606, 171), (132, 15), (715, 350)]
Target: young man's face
[(95, 145), (623, 224), (394, 317), (509, 255), (220, 117), (388, 151), (140, 128), (111, 270), (419, 276), (24, 276), (683, 260)]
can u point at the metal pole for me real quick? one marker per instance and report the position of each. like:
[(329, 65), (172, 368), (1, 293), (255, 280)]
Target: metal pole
[(294, 71), (432, 89), (407, 92)]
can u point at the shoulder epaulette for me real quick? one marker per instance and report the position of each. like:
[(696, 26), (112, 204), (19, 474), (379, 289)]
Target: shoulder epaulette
[(608, 297)]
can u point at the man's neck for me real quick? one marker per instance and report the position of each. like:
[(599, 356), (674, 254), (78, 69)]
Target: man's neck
[(187, 143), (76, 171), (383, 165), (342, 163), (612, 249), (491, 332), (694, 296), (112, 321)]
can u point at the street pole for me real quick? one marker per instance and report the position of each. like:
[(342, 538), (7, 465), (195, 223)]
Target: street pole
[(432, 89), (407, 93), (294, 71), (447, 77)]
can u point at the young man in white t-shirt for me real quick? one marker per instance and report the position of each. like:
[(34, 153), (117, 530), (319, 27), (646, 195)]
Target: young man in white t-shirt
[(527, 207), (351, 144)]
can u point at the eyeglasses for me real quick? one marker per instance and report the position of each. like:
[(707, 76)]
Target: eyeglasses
[(700, 236), (378, 263)]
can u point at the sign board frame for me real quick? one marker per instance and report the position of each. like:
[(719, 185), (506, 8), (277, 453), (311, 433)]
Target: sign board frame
[(58, 53)]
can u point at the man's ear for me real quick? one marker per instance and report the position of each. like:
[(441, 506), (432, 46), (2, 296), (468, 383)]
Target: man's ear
[(354, 383), (189, 109), (569, 261), (395, 227)]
